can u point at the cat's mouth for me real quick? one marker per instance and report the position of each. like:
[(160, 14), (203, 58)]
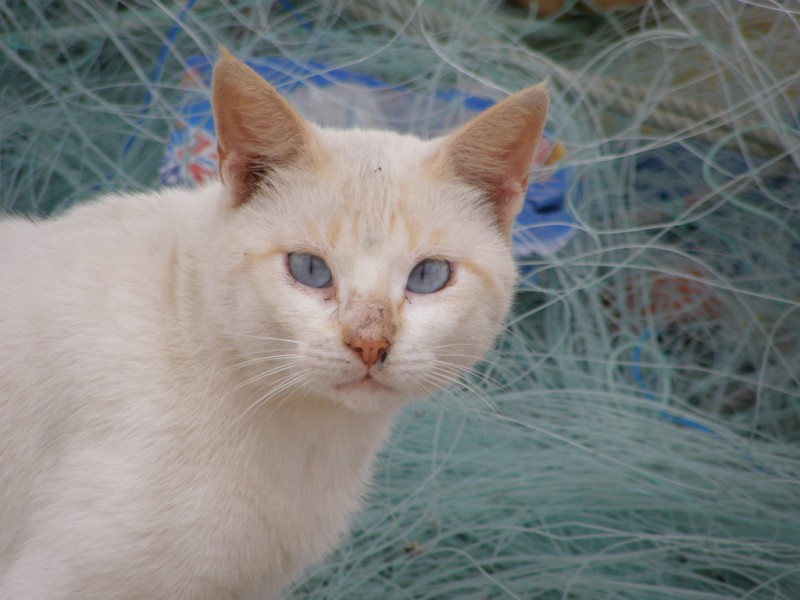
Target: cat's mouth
[(364, 384)]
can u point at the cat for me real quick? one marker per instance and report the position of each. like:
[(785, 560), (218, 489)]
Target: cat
[(194, 383)]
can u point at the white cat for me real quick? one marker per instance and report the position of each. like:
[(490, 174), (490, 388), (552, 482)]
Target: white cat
[(194, 384)]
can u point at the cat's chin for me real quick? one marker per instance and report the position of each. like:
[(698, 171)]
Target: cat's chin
[(366, 394)]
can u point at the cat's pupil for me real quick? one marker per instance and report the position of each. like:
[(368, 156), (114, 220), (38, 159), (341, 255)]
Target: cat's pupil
[(429, 276), (310, 270)]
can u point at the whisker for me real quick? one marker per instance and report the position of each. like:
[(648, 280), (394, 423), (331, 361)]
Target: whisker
[(482, 376), (266, 338), (261, 376), (456, 382), (446, 390), (287, 383), (480, 360), (263, 359)]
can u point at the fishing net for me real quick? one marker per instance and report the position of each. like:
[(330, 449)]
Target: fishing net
[(636, 431)]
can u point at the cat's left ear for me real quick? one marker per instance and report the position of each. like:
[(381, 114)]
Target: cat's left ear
[(257, 129), (494, 151)]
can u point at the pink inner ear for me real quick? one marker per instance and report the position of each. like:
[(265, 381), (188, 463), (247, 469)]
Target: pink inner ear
[(257, 129), (512, 178), (495, 150), (240, 175), (509, 202)]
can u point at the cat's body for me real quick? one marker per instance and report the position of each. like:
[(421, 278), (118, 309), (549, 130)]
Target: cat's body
[(180, 417), (129, 364)]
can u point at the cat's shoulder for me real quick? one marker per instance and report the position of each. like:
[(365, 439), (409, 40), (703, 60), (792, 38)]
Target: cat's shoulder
[(109, 216)]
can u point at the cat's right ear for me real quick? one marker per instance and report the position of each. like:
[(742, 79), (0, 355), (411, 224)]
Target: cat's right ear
[(257, 129), (494, 151)]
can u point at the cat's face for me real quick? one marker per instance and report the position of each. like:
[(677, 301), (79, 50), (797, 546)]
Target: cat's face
[(360, 266), (326, 258)]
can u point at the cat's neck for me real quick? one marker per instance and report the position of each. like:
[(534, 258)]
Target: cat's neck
[(301, 418)]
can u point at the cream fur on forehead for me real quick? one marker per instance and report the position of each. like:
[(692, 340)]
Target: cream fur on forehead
[(258, 131)]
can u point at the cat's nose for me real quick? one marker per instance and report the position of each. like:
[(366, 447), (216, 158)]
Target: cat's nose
[(370, 350)]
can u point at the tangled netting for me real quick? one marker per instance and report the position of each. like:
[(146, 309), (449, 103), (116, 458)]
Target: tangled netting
[(636, 432)]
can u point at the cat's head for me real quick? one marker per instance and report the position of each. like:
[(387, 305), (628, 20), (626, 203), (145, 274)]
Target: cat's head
[(365, 267)]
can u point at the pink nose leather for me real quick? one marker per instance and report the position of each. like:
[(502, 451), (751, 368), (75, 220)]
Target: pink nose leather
[(370, 351)]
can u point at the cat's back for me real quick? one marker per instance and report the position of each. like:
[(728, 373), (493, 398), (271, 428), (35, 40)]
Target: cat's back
[(78, 295), (107, 230), (48, 269), (91, 253), (89, 282)]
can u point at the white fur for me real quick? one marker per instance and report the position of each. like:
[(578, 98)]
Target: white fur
[(170, 425)]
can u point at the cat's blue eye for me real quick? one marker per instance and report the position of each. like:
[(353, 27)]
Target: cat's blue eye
[(429, 276), (310, 270)]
